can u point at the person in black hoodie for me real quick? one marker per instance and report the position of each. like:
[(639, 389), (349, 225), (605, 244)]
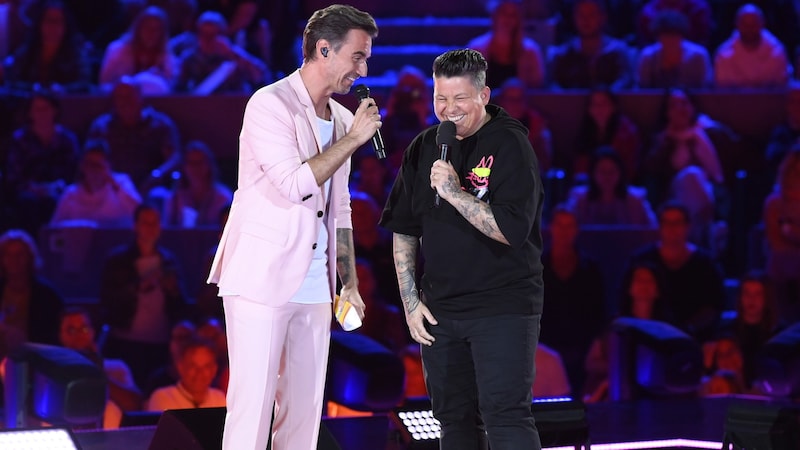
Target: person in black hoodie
[(478, 306)]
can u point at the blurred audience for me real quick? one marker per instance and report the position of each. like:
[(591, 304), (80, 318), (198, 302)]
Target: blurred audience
[(143, 54), (54, 55), (683, 163), (216, 65), (408, 111), (29, 305), (506, 48), (99, 196), (197, 197), (141, 296), (673, 60), (78, 333), (752, 57), (213, 330), (574, 295), (42, 159), (375, 244), (512, 97), (592, 58), (144, 142), (607, 198), (693, 282), (197, 367), (781, 219), (371, 176), (699, 19), (13, 14), (604, 124)]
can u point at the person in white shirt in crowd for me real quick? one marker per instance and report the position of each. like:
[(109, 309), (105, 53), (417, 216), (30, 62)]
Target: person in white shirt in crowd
[(100, 195), (197, 367), (752, 57)]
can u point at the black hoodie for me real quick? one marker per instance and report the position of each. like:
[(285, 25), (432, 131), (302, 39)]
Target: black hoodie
[(467, 274)]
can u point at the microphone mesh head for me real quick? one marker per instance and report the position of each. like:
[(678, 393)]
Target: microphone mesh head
[(446, 133), (362, 91)]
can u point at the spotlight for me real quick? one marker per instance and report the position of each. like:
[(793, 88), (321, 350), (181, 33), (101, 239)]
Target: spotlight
[(418, 428), (561, 421), (38, 439)]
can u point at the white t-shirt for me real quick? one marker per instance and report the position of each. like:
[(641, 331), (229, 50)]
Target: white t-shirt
[(176, 397), (315, 288)]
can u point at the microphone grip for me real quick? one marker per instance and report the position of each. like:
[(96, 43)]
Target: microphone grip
[(443, 149), (377, 144)]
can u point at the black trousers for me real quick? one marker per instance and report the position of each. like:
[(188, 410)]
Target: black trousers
[(479, 374)]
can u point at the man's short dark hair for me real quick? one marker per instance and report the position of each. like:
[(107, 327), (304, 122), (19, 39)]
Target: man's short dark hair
[(670, 22), (332, 24), (462, 63), (674, 205)]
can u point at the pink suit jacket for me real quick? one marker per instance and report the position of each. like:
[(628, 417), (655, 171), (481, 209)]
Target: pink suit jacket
[(268, 241)]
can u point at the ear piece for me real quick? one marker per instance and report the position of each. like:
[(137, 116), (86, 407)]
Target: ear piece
[(324, 51)]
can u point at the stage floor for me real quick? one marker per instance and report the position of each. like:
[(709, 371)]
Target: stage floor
[(609, 422)]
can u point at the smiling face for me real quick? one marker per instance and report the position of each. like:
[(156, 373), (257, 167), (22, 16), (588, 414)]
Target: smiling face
[(458, 100), (349, 62)]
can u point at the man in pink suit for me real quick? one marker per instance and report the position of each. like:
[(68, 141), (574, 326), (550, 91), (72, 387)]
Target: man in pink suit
[(289, 222)]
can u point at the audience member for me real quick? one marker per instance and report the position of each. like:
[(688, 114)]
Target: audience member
[(673, 60), (141, 296), (725, 365), (144, 142), (755, 323), (29, 304), (54, 55), (198, 196), (607, 198), (182, 332), (781, 219), (693, 283), (700, 21), (785, 134), (143, 54), (604, 124), (551, 375), (78, 333), (197, 367), (780, 17), (752, 57), (506, 48), (247, 24), (592, 58), (574, 295), (42, 159), (99, 196), (213, 330), (408, 111), (216, 65), (642, 288), (683, 163), (513, 98)]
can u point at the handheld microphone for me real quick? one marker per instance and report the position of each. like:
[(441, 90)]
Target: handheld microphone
[(362, 92), (445, 138)]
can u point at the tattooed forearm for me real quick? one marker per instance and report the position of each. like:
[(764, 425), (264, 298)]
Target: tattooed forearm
[(405, 264), (345, 256), (479, 214)]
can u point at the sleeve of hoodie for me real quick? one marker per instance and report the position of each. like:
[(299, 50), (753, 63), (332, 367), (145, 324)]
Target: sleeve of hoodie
[(516, 188)]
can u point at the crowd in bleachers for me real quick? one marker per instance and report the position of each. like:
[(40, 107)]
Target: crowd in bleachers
[(134, 168)]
